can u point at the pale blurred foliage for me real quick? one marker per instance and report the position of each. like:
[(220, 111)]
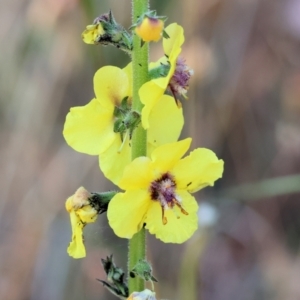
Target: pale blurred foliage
[(244, 103)]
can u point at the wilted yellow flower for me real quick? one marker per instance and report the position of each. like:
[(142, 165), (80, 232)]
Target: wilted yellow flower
[(157, 192), (81, 213)]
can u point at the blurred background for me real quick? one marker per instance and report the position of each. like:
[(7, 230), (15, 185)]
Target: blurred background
[(244, 104)]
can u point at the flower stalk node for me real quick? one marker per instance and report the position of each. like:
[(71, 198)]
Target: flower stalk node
[(126, 120), (116, 278), (160, 71), (100, 201), (143, 269)]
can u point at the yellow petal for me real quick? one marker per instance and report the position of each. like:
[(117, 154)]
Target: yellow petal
[(69, 204), (166, 122), (177, 230), (88, 37), (112, 161), (91, 33), (165, 128), (172, 45), (149, 93), (89, 129), (76, 248), (111, 86), (198, 170), (137, 175), (87, 214), (166, 156), (126, 212)]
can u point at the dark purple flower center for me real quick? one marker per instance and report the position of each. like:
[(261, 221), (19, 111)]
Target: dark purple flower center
[(179, 82), (163, 190)]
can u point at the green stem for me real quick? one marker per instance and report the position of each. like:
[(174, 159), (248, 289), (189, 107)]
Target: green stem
[(140, 59)]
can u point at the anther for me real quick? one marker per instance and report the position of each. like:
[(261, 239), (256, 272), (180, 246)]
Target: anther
[(176, 202), (164, 219)]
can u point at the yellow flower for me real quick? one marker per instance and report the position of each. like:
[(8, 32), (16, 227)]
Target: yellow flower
[(178, 73), (144, 295), (150, 29), (106, 31), (90, 129), (157, 192), (81, 213), (92, 33)]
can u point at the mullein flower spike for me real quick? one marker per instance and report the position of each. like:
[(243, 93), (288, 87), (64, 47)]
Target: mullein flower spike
[(157, 186)]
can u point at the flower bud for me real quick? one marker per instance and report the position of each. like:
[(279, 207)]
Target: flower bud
[(106, 31), (150, 29), (143, 269), (116, 279)]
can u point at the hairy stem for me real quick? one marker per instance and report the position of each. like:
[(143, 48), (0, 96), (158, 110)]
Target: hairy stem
[(140, 58)]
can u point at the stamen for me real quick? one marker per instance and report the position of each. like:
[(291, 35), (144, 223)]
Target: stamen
[(176, 214), (177, 101), (164, 191), (179, 83), (164, 219), (184, 211), (123, 143), (176, 202)]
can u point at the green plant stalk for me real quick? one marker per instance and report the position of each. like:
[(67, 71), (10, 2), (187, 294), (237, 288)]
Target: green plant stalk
[(140, 59)]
